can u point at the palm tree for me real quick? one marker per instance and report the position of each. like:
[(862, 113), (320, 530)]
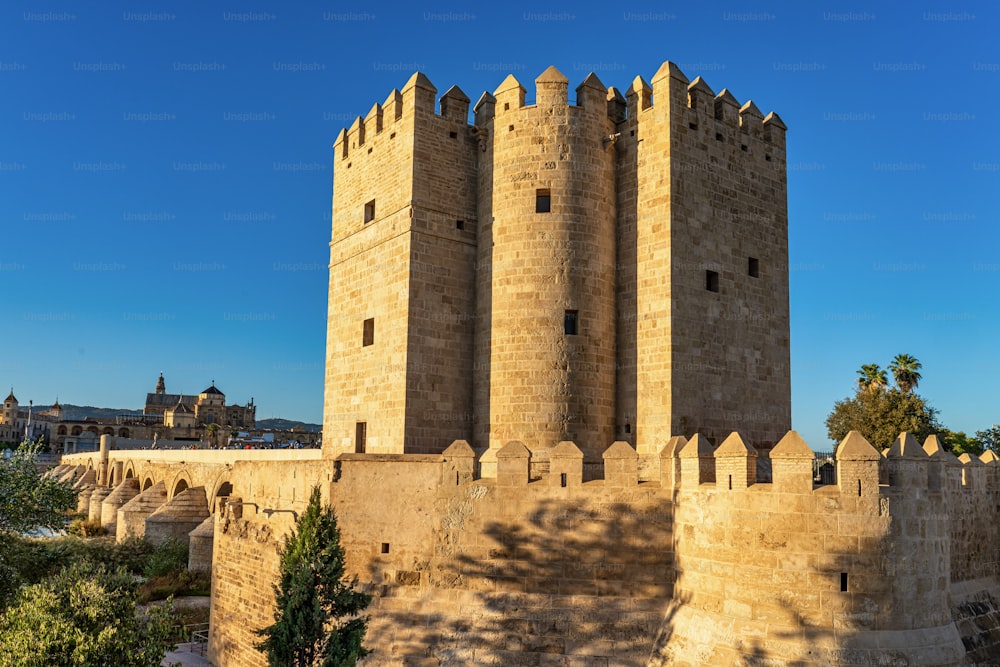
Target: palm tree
[(872, 378), (213, 430), (906, 371)]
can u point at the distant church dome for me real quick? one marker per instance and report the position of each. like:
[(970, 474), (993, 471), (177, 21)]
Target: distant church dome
[(212, 390)]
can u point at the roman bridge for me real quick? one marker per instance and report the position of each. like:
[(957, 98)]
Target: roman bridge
[(176, 493)]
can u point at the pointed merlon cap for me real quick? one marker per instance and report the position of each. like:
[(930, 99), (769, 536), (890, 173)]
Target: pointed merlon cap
[(906, 447), (673, 446), (485, 99), (392, 98), (639, 87), (455, 93), (566, 449), (514, 450), (726, 97), (774, 120), (620, 450), (699, 85), (698, 446), (855, 448), (592, 82), (733, 446), (969, 459), (419, 80), (792, 446), (458, 449), (750, 109), (510, 83), (455, 104), (552, 75), (669, 69), (340, 137), (933, 447), (617, 105), (989, 456)]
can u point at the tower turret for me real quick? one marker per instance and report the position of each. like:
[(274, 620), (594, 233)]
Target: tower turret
[(550, 245), (10, 408)]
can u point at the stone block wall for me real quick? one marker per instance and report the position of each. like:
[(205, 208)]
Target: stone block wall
[(467, 570), (541, 275)]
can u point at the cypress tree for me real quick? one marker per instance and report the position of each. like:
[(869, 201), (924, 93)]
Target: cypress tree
[(317, 621)]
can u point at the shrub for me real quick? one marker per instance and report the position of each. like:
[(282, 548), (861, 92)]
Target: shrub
[(167, 558), (86, 528)]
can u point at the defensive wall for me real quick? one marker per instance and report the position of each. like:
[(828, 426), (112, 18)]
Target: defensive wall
[(701, 565)]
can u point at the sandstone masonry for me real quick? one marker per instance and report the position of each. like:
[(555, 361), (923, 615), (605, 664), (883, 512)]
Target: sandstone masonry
[(614, 269)]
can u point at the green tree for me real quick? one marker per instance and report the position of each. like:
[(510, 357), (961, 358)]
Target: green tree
[(905, 371), (990, 437), (872, 378), (880, 416), (213, 434), (317, 621), (28, 499), (958, 443), (85, 615)]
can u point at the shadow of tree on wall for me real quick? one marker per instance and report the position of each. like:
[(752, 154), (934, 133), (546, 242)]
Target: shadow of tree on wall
[(580, 583)]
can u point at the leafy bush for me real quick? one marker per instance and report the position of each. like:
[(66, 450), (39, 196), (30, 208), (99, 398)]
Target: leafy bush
[(86, 528), (81, 616), (170, 557), (182, 584)]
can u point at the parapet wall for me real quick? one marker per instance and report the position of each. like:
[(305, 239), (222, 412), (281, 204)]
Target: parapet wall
[(504, 570)]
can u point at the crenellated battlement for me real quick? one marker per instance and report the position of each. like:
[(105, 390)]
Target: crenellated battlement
[(694, 465), (670, 86)]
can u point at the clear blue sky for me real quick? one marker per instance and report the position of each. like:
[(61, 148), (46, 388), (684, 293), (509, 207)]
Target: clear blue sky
[(165, 178)]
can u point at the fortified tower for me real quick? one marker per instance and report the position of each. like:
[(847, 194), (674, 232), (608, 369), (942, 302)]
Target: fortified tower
[(613, 269), (402, 276), (547, 341)]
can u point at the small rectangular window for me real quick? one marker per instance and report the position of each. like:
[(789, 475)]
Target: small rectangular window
[(570, 323), (453, 135), (370, 211), (543, 201), (360, 437), (460, 224), (385, 547), (843, 582), (693, 126), (368, 332), (753, 267), (712, 281), (718, 136)]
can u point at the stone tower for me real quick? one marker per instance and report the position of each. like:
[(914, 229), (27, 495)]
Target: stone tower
[(547, 341), (402, 277), (10, 406), (613, 269)]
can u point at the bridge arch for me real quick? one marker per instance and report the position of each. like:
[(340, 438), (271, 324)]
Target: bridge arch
[(129, 470), (180, 482), (123, 433), (107, 430), (146, 483), (223, 489)]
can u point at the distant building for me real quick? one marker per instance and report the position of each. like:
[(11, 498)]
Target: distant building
[(17, 424), (208, 407)]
